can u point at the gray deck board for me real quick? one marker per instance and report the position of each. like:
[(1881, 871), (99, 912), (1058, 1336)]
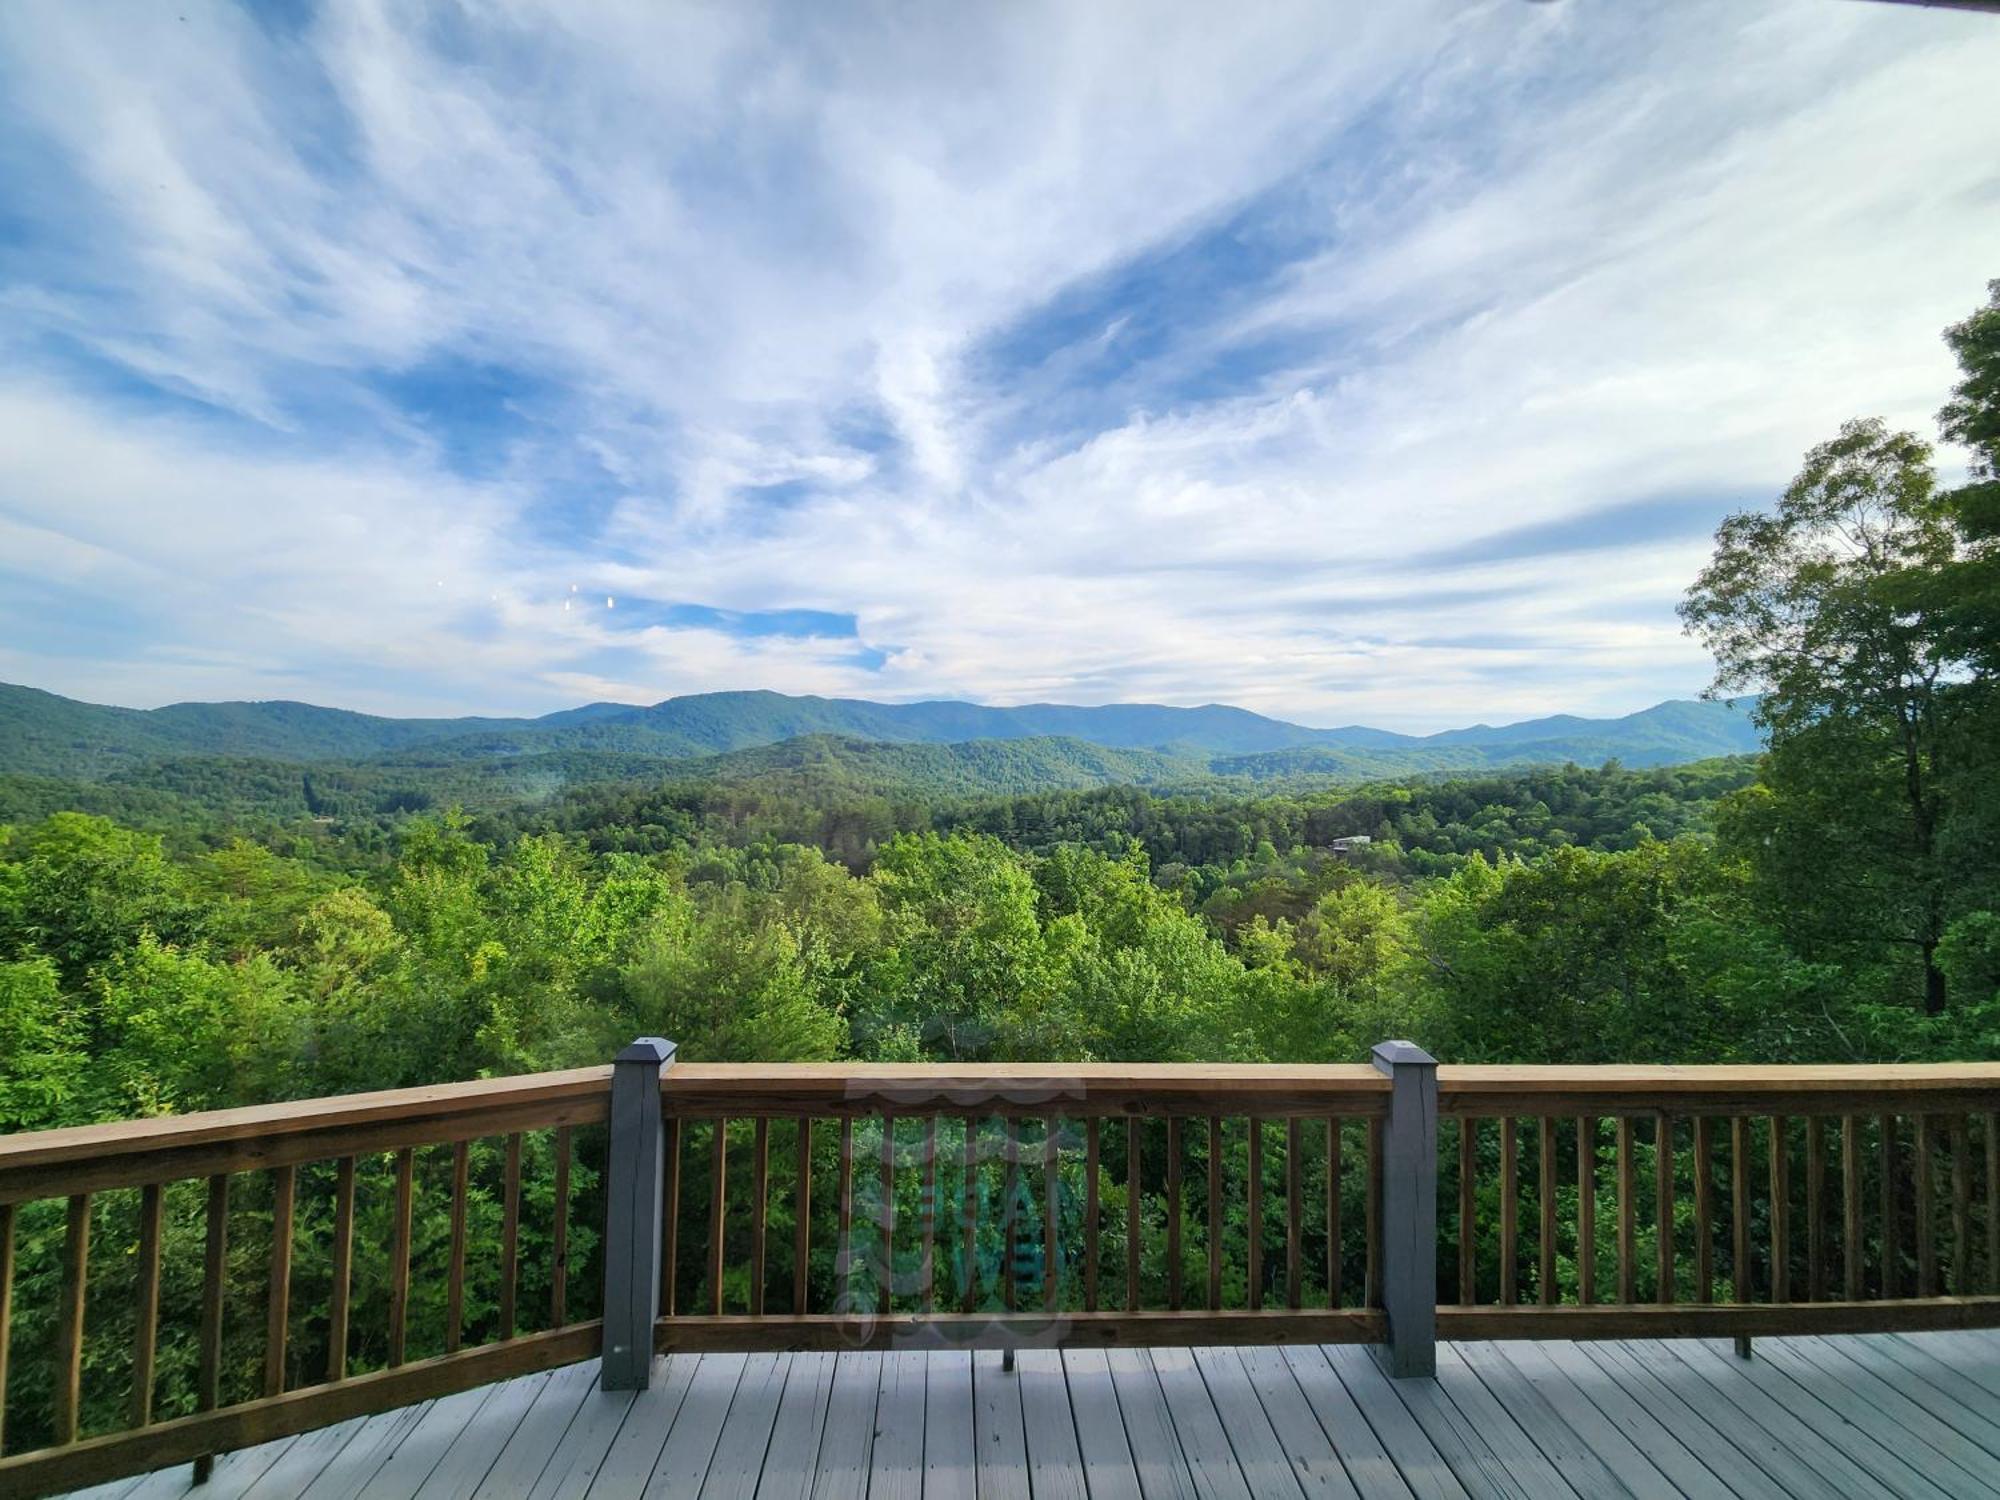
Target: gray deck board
[(694, 1431), (746, 1435), (1001, 1457), (796, 1431), (1540, 1466), (1203, 1439), (1425, 1466), (1055, 1461), (424, 1445), (1922, 1371), (1368, 1463), (1108, 1468), (628, 1462), (525, 1452), (849, 1439), (1163, 1471), (1900, 1425), (1759, 1466), (1263, 1458), (348, 1471), (1744, 1384), (949, 1442), (1915, 1416), (471, 1455), (1315, 1464), (896, 1466)]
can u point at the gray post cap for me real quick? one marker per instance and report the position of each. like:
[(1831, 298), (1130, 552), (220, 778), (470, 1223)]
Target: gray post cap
[(1390, 1055)]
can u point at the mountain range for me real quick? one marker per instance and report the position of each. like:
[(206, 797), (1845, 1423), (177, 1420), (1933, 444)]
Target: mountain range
[(747, 733)]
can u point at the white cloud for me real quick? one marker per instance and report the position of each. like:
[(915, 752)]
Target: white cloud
[(1540, 262)]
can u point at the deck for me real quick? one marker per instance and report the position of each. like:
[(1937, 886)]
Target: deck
[(1915, 1415)]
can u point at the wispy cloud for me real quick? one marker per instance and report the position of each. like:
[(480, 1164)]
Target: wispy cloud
[(1350, 362)]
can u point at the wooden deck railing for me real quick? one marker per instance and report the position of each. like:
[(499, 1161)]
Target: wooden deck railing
[(1018, 1204), (127, 1231), (1720, 1201), (179, 1287)]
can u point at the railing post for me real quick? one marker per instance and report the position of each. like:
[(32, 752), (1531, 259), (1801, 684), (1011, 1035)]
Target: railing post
[(1409, 1208), (634, 1180)]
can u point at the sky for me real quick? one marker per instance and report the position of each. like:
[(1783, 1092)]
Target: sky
[(1347, 362)]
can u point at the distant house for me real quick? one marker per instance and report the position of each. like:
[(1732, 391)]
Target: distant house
[(1351, 842)]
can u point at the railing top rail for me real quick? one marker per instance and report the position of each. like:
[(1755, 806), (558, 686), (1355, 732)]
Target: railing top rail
[(124, 1153), (1819, 1088), (1022, 1088), (1530, 1077)]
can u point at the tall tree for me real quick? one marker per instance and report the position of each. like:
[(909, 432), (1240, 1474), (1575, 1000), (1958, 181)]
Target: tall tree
[(1808, 606)]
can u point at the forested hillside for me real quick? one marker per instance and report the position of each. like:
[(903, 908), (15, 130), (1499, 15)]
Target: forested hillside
[(45, 735)]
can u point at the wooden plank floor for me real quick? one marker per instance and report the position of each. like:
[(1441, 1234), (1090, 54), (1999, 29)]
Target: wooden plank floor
[(1915, 1416)]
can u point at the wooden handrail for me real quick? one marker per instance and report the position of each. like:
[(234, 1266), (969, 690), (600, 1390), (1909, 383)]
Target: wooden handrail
[(1720, 1089), (130, 1153), (1070, 1089)]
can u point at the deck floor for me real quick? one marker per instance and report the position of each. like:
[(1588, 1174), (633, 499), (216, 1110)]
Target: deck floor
[(1904, 1415)]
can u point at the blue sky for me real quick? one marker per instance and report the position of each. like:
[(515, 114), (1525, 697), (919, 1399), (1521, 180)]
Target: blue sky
[(1352, 363)]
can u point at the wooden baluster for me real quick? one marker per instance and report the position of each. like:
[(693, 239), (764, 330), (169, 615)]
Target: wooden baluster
[(1628, 1191), (1468, 1245), (1704, 1210), (1545, 1189), (1510, 1211), (214, 1272), (1333, 1245), (1926, 1213), (1091, 1148), (1781, 1211), (1256, 1212), (399, 1254), (718, 1210), (802, 1217), (1132, 1200), (454, 1282), (1372, 1215), (930, 1214), (1851, 1243), (969, 1236), (146, 1323), (1992, 1205), (1892, 1251), (277, 1319), (343, 1266), (760, 1193), (1010, 1219), (1175, 1292), (670, 1210), (1961, 1208), (69, 1341), (1815, 1210), (1214, 1213), (1293, 1208), (510, 1233), (1663, 1208), (885, 1274), (7, 1310), (1586, 1210), (1739, 1205), (559, 1251), (1051, 1216)]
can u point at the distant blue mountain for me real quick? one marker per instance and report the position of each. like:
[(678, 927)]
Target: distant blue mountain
[(44, 734)]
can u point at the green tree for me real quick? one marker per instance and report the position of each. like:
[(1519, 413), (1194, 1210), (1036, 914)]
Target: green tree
[(1806, 605)]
